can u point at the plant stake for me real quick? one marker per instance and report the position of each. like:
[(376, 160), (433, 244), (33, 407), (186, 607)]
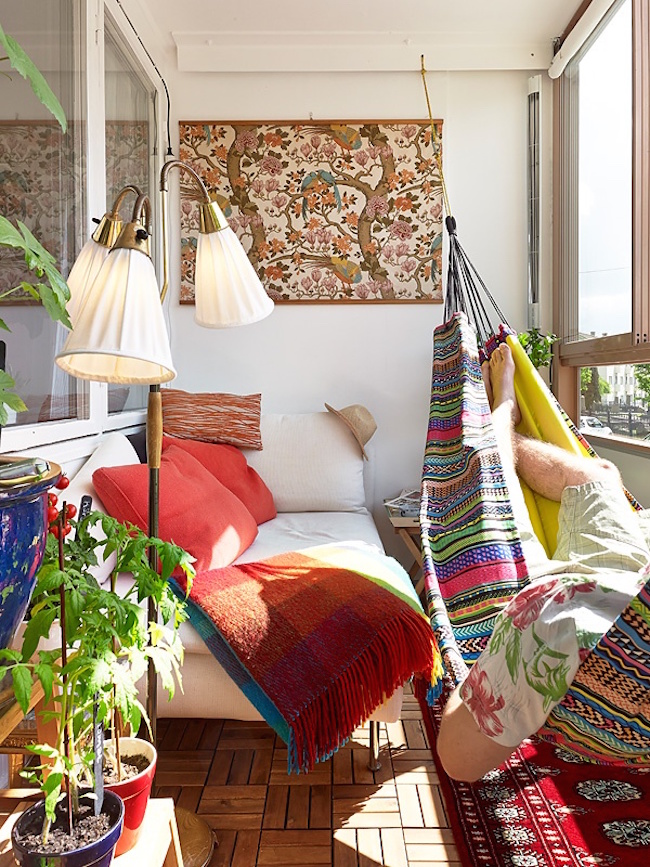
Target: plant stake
[(64, 662)]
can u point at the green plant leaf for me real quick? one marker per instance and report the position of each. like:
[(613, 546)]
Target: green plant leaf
[(53, 780), (13, 401), (51, 800), (23, 64), (100, 675), (50, 577), (9, 234), (28, 289), (22, 681), (38, 626), (75, 601), (8, 398), (43, 750), (45, 674)]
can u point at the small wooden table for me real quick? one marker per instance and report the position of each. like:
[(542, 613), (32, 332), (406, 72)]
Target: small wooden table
[(157, 846), (408, 529)]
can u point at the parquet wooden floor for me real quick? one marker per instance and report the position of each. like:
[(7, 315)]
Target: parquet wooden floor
[(234, 774)]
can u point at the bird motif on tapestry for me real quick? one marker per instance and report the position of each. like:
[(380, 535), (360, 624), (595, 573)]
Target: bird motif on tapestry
[(347, 137), (311, 183), (343, 269)]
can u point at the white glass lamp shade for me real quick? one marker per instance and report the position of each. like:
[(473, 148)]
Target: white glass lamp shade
[(120, 333), (227, 289), (83, 273)]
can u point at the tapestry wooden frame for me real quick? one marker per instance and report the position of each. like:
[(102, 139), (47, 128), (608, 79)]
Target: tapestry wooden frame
[(328, 211)]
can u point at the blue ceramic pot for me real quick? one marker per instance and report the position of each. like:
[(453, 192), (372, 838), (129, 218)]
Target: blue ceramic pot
[(97, 854), (23, 531)]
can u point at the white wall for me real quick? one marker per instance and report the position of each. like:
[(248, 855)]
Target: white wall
[(378, 355)]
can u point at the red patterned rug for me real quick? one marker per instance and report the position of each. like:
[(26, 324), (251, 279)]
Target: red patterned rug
[(545, 808)]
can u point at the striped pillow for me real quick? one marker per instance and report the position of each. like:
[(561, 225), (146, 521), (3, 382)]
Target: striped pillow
[(213, 417)]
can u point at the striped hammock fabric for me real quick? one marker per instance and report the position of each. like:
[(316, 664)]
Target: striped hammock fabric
[(472, 557), (605, 716)]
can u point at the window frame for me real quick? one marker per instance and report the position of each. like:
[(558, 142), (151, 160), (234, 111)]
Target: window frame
[(92, 17), (632, 347)]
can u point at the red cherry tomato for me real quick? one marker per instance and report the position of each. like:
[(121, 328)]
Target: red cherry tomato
[(63, 483), (52, 499), (70, 510), (66, 528), (54, 530), (52, 514)]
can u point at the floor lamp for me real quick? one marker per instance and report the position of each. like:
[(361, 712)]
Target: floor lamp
[(119, 336)]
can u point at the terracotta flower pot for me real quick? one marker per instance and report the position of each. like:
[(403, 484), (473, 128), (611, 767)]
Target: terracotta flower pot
[(135, 791), (23, 530), (97, 854)]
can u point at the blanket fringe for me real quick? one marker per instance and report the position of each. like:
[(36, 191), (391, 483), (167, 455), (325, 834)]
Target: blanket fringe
[(404, 646)]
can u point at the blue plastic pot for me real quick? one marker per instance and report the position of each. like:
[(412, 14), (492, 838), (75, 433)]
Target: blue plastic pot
[(23, 531), (97, 854)]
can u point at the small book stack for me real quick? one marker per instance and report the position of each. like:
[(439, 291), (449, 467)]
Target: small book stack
[(404, 510)]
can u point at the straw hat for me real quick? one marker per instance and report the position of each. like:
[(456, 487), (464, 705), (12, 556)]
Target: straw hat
[(359, 420)]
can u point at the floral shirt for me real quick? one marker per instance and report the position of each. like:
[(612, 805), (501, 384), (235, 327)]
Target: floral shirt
[(537, 644)]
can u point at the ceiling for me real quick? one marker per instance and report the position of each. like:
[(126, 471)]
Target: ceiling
[(212, 35)]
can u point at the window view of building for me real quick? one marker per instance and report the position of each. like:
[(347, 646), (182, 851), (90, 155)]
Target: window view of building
[(615, 400)]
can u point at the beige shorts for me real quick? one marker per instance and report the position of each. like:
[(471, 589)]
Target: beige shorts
[(599, 531)]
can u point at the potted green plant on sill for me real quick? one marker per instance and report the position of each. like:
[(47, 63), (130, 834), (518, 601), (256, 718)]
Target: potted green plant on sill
[(538, 346), (106, 647), (50, 288)]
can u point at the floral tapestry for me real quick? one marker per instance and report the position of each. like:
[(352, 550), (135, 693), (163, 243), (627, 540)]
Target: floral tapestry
[(327, 211)]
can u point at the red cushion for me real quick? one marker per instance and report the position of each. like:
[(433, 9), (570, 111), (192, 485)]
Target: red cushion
[(229, 466), (197, 512)]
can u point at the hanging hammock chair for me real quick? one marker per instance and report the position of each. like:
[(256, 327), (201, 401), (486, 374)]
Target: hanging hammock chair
[(472, 554)]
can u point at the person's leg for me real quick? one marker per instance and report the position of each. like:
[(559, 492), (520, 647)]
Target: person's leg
[(549, 469), (546, 468), (505, 415)]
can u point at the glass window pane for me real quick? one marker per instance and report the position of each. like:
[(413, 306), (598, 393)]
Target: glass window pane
[(129, 101), (41, 184), (615, 400), (605, 180)]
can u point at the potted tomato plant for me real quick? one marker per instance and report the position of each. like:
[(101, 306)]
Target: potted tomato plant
[(91, 681)]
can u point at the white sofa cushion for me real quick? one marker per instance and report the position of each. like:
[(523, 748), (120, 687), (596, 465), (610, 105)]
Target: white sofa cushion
[(311, 462)]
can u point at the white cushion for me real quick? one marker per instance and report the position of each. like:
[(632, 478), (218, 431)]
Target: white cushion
[(293, 531), (114, 450), (311, 462)]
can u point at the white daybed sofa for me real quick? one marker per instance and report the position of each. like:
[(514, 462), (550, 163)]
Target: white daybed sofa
[(314, 468)]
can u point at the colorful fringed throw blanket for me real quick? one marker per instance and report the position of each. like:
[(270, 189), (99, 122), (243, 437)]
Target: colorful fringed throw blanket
[(315, 639)]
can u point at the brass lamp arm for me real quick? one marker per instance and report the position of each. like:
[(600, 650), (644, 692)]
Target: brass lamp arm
[(110, 225), (135, 235), (171, 164), (119, 199), (210, 217)]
